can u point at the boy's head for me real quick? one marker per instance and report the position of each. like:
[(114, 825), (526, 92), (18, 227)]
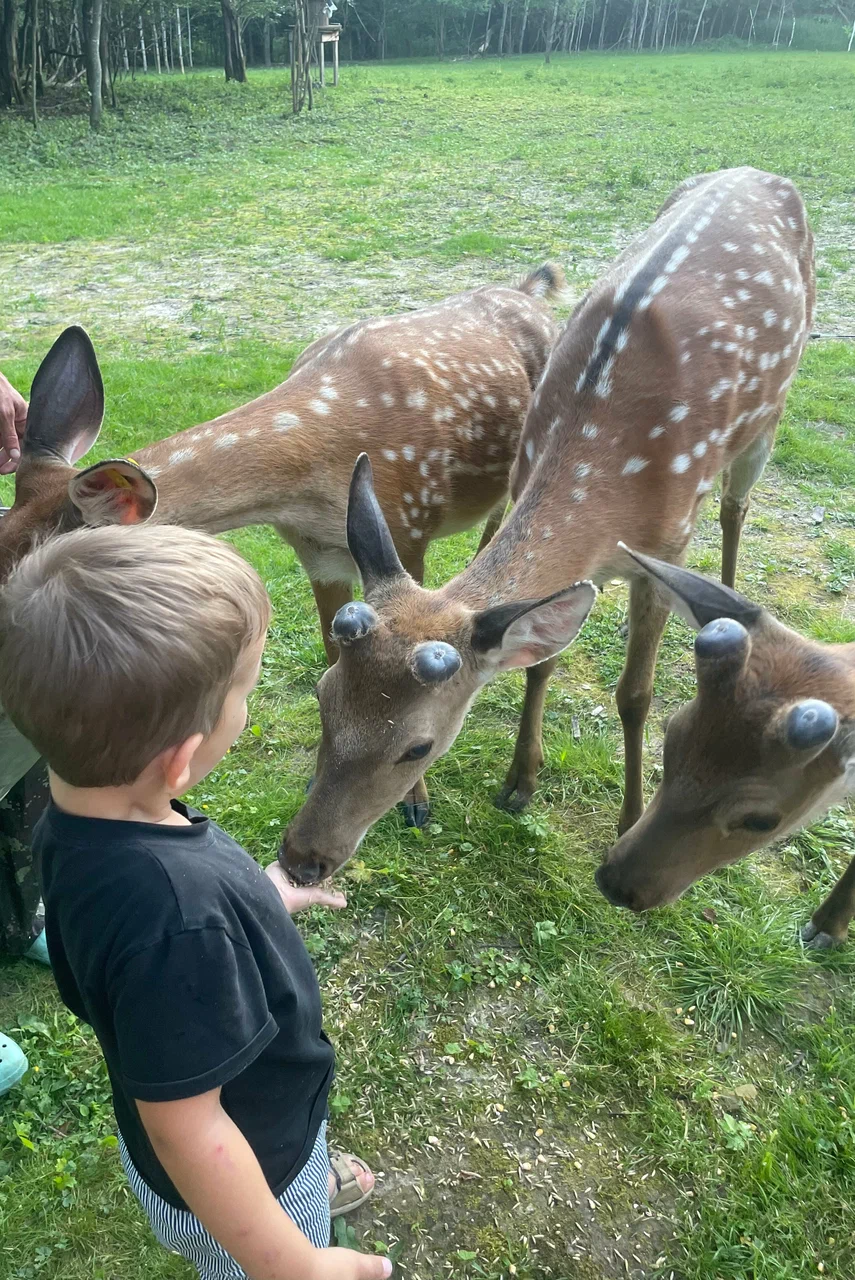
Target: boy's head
[(120, 644)]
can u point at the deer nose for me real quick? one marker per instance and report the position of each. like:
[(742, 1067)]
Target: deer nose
[(607, 877), (302, 868)]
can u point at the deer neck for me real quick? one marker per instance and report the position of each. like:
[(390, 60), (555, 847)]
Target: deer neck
[(538, 550), (245, 467)]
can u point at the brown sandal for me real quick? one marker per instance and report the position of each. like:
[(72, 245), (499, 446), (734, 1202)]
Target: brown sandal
[(349, 1194)]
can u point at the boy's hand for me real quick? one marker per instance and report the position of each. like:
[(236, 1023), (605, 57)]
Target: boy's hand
[(13, 419), (345, 1264), (297, 897)]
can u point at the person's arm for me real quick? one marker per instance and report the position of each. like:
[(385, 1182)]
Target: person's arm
[(13, 419), (214, 1168)]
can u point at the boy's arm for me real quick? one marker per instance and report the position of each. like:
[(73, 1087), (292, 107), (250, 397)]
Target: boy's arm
[(215, 1170)]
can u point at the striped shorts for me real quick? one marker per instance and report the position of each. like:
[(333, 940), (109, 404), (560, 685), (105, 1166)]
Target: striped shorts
[(306, 1201)]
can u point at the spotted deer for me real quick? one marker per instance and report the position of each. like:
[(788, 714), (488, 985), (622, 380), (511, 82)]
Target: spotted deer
[(767, 745), (438, 396), (672, 370)]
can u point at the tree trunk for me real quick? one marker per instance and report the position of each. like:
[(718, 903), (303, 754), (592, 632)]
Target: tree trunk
[(126, 65), (156, 46), (603, 24), (550, 39), (235, 62), (10, 84), (180, 39), (189, 41), (94, 70), (523, 25), (501, 45), (34, 22), (142, 47), (167, 60), (268, 43), (851, 38), (700, 20)]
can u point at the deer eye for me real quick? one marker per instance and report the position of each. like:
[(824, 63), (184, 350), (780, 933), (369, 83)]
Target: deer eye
[(760, 822), (418, 752)]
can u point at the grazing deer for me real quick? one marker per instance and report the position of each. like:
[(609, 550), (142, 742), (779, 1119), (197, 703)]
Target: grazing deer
[(767, 745), (672, 370), (438, 396)]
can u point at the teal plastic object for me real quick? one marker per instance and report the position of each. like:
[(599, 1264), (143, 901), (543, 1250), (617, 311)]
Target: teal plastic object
[(13, 1063), (39, 950)]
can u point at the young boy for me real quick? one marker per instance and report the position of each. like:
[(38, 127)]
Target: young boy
[(126, 657)]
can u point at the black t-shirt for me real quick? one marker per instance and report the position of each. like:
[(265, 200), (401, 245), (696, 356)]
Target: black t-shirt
[(176, 948)]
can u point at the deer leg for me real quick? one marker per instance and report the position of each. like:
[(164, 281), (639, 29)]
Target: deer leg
[(415, 805), (739, 480), (494, 519), (829, 924), (521, 781), (329, 598), (647, 618)]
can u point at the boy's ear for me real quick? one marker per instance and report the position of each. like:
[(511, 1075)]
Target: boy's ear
[(114, 492), (177, 762)]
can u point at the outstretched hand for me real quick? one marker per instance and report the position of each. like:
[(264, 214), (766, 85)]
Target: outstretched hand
[(297, 897), (13, 419)]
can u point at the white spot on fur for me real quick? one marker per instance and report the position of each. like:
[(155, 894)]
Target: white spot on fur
[(184, 455), (417, 399), (717, 391), (679, 412), (679, 255), (226, 441), (769, 317), (632, 466), (582, 470), (655, 432), (408, 453), (329, 393), (704, 486), (320, 407), (285, 421), (415, 533), (681, 463), (589, 431), (700, 449), (390, 455)]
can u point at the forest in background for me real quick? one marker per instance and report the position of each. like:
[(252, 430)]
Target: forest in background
[(47, 45)]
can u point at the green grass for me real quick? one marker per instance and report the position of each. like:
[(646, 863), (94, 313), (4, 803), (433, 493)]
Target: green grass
[(676, 1090)]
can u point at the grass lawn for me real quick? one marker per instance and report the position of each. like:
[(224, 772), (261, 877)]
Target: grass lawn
[(550, 1087)]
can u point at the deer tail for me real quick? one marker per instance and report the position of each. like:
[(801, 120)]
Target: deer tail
[(547, 281)]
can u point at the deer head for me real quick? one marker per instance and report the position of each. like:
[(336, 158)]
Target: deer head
[(63, 422), (767, 743), (410, 663)]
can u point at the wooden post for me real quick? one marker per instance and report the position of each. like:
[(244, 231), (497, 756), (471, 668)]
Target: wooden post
[(321, 57), (335, 60)]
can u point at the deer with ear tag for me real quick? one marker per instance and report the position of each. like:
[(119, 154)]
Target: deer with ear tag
[(767, 744), (439, 396), (672, 370)]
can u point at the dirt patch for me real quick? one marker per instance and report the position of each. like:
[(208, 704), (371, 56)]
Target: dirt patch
[(160, 291)]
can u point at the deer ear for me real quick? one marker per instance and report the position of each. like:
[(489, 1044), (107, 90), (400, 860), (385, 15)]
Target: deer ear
[(530, 631), (66, 400), (368, 538), (697, 600), (113, 492)]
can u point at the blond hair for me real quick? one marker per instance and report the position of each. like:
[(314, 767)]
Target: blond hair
[(117, 643)]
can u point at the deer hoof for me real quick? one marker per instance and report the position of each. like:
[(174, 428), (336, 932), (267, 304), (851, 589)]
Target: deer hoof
[(416, 814), (513, 799), (817, 939)]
